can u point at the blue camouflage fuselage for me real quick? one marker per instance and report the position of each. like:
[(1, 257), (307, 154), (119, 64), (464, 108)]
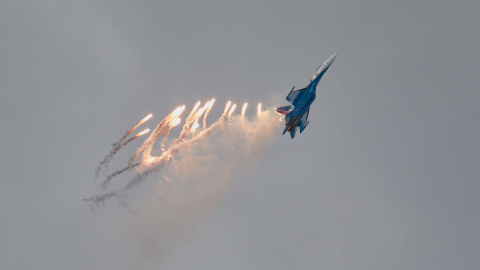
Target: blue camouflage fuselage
[(301, 100)]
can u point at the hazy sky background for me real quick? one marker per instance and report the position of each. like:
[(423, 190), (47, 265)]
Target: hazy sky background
[(386, 176)]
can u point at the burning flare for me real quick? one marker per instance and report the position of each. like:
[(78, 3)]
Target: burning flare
[(145, 119), (141, 133), (175, 122), (210, 105), (229, 115), (193, 110), (226, 108), (195, 126), (178, 111), (244, 109)]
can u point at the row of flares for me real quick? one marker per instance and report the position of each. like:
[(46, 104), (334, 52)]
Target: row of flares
[(192, 123)]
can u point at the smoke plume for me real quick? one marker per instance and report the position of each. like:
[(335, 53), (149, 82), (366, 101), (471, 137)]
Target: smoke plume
[(192, 173)]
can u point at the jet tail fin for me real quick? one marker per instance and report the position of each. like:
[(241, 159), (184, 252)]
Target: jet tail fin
[(293, 95), (303, 127), (304, 121)]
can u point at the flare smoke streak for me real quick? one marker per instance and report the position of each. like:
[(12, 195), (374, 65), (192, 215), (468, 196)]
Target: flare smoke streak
[(116, 146)]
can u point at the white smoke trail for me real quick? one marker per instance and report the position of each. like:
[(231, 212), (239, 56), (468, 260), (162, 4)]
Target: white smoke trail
[(250, 137), (109, 178), (152, 163), (192, 118), (230, 112), (195, 173), (226, 108), (161, 129), (210, 105), (116, 146)]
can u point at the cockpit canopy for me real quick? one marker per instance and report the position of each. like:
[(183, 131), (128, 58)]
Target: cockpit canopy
[(317, 72)]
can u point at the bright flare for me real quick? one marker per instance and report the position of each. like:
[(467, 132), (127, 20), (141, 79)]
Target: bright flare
[(178, 111), (175, 122), (231, 111), (244, 109), (226, 107), (210, 104), (149, 160), (196, 107), (146, 118), (145, 131), (259, 109), (200, 112), (195, 126)]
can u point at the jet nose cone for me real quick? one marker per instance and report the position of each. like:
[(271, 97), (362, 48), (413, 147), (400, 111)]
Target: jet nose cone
[(332, 57)]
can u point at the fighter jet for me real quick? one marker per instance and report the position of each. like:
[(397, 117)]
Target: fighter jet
[(296, 115)]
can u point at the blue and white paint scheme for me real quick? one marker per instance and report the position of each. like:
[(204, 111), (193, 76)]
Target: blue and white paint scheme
[(296, 115)]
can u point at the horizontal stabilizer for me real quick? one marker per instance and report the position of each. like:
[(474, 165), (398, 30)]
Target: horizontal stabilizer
[(284, 109)]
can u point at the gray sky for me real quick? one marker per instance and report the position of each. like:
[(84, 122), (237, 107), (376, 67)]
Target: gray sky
[(386, 176)]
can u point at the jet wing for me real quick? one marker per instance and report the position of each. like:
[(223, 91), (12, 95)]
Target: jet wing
[(304, 121), (293, 95)]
